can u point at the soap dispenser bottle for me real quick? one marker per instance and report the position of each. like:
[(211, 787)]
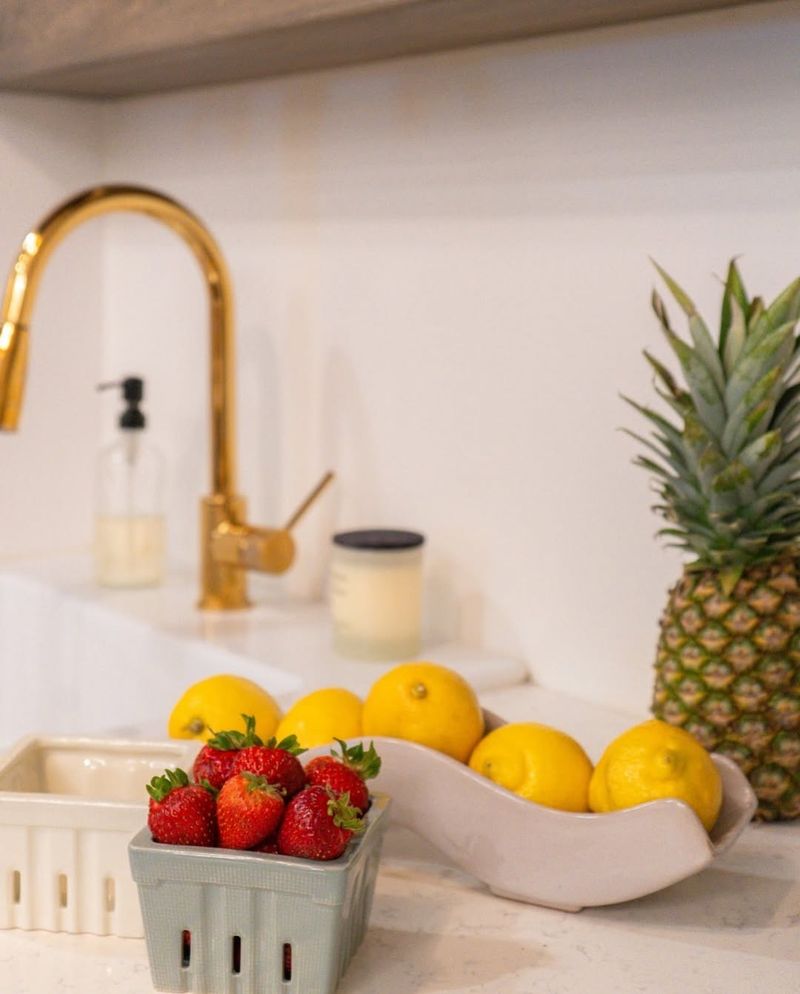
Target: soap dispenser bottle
[(129, 527)]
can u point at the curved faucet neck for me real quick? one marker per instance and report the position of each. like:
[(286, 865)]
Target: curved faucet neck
[(23, 283)]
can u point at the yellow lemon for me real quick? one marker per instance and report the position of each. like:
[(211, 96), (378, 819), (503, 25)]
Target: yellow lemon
[(218, 703), (655, 760), (425, 703), (537, 762), (321, 717)]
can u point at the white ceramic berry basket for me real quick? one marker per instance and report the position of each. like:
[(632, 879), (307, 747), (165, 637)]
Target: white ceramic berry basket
[(527, 852), (68, 808)]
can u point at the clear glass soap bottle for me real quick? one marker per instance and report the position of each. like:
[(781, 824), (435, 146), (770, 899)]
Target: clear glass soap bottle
[(129, 526)]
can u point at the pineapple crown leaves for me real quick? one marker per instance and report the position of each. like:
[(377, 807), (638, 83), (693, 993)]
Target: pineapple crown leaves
[(366, 763), (233, 739), (727, 471), (289, 744), (343, 813)]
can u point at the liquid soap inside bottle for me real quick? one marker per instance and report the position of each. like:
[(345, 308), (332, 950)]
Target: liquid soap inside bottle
[(129, 526)]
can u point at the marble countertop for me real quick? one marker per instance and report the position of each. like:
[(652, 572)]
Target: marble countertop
[(732, 929)]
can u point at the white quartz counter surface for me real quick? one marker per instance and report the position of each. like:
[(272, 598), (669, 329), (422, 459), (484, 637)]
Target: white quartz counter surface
[(733, 929)]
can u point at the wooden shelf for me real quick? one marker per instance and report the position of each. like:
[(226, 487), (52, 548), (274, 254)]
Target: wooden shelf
[(119, 48)]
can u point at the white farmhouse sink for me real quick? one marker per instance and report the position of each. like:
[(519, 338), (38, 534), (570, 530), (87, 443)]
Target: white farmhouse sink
[(72, 667)]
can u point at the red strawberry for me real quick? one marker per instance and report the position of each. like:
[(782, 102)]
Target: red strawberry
[(248, 811), (345, 772), (268, 845), (181, 813), (277, 762), (318, 825), (214, 762)]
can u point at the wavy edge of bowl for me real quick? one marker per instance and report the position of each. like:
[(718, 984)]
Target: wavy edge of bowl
[(593, 880)]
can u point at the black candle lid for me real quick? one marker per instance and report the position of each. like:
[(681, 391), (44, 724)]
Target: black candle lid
[(379, 539)]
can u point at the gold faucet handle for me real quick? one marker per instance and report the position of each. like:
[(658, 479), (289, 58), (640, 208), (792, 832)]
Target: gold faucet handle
[(268, 550), (312, 497)]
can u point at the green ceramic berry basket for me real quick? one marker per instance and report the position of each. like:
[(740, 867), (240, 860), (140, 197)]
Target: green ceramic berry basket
[(218, 921)]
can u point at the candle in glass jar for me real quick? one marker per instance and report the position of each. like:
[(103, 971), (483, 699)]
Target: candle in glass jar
[(376, 593)]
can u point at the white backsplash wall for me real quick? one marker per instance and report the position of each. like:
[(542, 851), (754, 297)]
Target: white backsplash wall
[(442, 284), (49, 149)]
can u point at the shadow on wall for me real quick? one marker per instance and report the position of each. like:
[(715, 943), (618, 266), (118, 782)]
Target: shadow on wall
[(54, 138), (578, 123), (348, 442), (456, 605), (260, 432)]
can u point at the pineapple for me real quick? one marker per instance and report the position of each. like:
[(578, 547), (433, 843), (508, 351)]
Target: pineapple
[(726, 469)]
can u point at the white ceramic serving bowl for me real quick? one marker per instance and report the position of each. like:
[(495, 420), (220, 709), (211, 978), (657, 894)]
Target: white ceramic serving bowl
[(531, 853)]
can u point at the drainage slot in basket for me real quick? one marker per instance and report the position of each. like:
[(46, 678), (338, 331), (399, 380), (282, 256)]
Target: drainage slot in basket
[(16, 886), (111, 897), (63, 893), (186, 947), (236, 954), (287, 962)]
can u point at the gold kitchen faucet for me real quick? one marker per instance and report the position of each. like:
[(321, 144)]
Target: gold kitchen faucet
[(228, 545)]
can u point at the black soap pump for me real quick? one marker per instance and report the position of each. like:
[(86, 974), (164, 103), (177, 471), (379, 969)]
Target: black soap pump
[(129, 526)]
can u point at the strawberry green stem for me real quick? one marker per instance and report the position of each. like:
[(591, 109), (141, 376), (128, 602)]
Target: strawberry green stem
[(289, 744), (343, 813), (366, 764), (259, 783), (160, 786), (233, 739)]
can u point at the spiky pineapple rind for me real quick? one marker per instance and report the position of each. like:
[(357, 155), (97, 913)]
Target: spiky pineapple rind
[(728, 671)]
